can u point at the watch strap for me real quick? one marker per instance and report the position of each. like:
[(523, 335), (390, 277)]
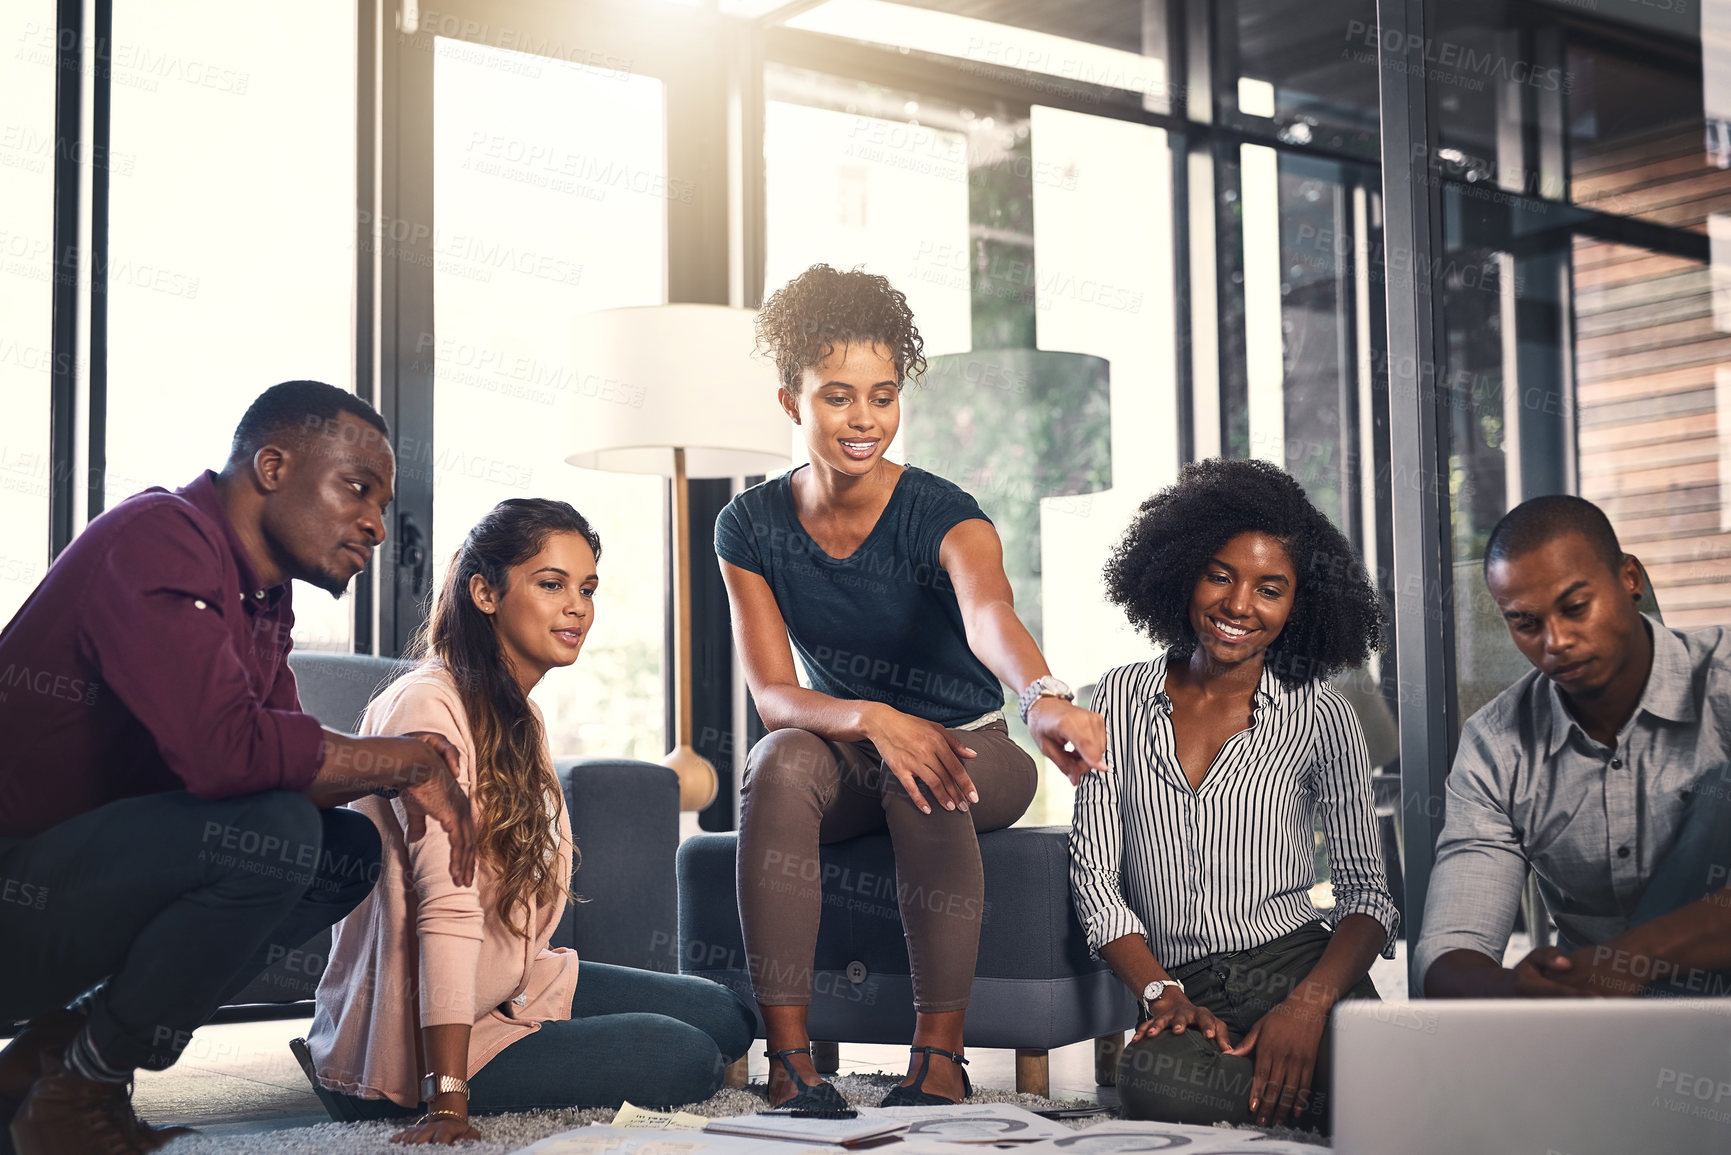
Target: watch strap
[(1146, 1001), (433, 1085), (1045, 686)]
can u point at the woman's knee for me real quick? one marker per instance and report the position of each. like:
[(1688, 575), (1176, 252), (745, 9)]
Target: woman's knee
[(1182, 1079), (787, 759), (736, 1023), (693, 1067), (1007, 778), (717, 1010), (1143, 1056)]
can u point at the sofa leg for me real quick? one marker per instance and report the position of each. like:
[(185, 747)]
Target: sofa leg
[(1107, 1049), (826, 1057), (738, 1073), (1033, 1074)]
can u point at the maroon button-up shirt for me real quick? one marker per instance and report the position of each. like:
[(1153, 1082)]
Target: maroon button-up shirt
[(149, 659)]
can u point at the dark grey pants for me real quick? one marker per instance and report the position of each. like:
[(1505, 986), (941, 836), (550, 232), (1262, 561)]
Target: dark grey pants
[(1187, 1078), (167, 905)]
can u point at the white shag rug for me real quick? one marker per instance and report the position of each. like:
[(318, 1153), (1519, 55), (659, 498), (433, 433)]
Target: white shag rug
[(516, 1130)]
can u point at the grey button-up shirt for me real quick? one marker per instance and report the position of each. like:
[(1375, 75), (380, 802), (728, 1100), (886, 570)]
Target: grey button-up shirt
[(1594, 821)]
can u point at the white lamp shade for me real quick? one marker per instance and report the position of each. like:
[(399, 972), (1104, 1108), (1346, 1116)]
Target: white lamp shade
[(679, 377)]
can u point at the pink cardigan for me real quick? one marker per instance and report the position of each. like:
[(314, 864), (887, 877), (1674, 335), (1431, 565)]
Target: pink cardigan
[(422, 951)]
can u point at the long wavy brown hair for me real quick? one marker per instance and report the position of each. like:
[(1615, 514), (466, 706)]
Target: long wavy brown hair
[(515, 788)]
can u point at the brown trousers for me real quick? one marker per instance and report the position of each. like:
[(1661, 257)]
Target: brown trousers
[(801, 791)]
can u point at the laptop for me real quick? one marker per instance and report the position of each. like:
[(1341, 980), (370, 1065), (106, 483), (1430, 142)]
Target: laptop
[(1533, 1077)]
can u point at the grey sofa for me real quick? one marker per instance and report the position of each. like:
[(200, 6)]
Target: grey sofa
[(1035, 986), (624, 819)]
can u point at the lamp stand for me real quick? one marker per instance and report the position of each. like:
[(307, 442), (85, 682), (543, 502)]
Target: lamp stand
[(698, 783)]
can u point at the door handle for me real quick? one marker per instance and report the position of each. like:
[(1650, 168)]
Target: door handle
[(412, 552)]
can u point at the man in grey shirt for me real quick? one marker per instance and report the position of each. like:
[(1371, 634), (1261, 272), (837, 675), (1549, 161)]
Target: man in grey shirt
[(1604, 769)]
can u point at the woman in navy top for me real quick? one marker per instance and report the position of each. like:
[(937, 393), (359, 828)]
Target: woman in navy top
[(889, 582)]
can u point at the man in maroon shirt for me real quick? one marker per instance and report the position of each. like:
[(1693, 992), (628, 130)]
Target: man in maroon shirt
[(165, 806)]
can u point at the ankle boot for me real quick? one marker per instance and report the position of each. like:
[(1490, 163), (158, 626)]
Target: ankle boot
[(67, 1114), (21, 1062)]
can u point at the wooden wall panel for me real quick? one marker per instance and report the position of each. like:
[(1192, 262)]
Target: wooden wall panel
[(1647, 361)]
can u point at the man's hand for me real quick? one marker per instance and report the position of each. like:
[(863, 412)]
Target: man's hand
[(1284, 1042), (917, 751), (1608, 972), (1545, 973), (438, 795), (1073, 738), (1172, 1011), (1468, 974)]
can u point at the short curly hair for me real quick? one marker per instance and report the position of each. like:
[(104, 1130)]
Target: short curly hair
[(806, 319), (1337, 619)]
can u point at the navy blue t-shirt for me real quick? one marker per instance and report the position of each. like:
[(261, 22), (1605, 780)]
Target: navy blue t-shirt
[(882, 624)]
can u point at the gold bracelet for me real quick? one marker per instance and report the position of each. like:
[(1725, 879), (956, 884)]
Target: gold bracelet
[(431, 1115)]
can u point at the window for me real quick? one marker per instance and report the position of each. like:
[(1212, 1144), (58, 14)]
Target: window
[(551, 188), (1302, 74), (1585, 354), (1069, 43), (1035, 247), (866, 177), (1103, 253), (26, 274), (231, 263)]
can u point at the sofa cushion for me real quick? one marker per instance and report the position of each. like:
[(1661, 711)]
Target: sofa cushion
[(1035, 985), (625, 821)]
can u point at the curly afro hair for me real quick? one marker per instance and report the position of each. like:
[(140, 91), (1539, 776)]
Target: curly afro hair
[(1337, 618), (822, 309)]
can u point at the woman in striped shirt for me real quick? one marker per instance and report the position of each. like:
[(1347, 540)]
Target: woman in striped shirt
[(1192, 862)]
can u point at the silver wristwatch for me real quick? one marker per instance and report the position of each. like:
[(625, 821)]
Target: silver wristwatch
[(1153, 991), (1045, 686), (432, 1084)]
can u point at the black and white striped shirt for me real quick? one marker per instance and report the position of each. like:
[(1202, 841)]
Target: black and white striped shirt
[(1229, 866)]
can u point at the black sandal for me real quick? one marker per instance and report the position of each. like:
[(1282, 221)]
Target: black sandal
[(817, 1100), (914, 1094)]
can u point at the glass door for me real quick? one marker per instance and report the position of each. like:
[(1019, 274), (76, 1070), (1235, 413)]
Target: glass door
[(550, 187)]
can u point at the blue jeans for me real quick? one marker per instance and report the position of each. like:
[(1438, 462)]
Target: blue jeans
[(655, 1039)]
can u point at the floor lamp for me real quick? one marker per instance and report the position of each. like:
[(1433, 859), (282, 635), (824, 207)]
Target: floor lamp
[(675, 390)]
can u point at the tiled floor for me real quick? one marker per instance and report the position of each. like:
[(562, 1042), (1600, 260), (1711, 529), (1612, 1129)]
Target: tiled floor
[(234, 1078)]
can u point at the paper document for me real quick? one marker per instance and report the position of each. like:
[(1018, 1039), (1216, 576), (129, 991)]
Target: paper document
[(633, 1117), (1134, 1137), (602, 1140), (973, 1123)]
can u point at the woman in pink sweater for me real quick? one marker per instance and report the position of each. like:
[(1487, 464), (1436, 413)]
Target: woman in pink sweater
[(450, 995)]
